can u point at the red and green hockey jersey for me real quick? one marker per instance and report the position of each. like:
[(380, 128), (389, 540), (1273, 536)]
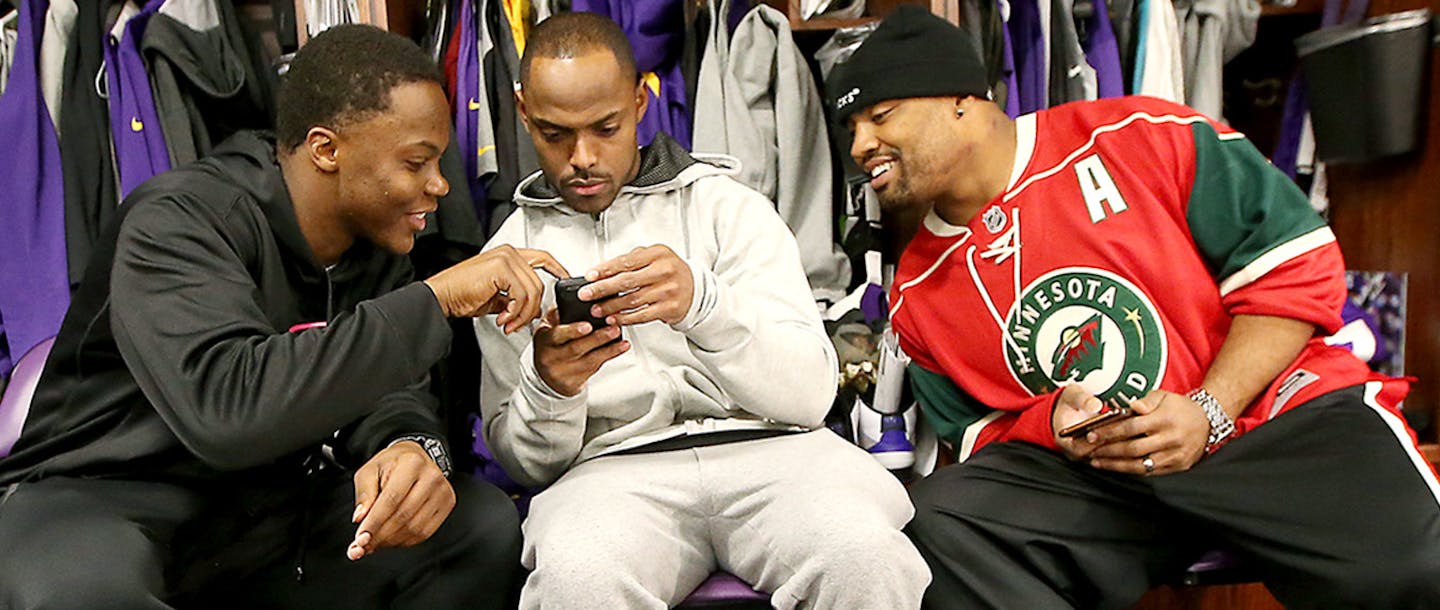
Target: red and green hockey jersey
[(1127, 238)]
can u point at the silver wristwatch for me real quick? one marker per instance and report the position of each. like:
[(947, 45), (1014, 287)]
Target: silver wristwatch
[(1221, 426)]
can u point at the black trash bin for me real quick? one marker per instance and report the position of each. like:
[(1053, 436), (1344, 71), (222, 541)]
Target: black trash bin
[(1365, 82)]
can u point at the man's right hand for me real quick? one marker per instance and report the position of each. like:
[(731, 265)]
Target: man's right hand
[(566, 355), (500, 280), (1073, 406)]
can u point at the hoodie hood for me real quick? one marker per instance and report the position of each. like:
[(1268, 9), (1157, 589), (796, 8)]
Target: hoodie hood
[(664, 166), (248, 160)]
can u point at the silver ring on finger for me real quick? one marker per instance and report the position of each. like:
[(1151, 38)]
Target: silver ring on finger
[(1149, 464)]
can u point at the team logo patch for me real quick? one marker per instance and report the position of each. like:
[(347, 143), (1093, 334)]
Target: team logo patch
[(1086, 326), (994, 219)]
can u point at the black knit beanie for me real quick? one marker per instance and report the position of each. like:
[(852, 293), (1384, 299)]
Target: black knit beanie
[(912, 53)]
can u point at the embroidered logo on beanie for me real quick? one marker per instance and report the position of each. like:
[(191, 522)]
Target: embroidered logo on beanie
[(912, 53)]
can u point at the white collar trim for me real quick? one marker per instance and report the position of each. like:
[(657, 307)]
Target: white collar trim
[(1024, 147)]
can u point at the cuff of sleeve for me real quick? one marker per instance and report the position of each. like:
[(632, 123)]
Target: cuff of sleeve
[(702, 303), (1047, 440), (720, 324), (539, 394), (432, 445)]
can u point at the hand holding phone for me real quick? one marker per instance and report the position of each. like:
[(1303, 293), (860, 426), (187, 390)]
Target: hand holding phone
[(572, 309), (1113, 410), (1083, 427)]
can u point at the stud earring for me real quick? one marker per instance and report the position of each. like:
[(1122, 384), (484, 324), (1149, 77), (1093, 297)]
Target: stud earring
[(959, 112)]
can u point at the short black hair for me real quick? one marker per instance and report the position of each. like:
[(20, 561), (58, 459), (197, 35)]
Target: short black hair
[(344, 75), (567, 35)]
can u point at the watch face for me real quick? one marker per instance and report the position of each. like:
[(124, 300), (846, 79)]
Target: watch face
[(437, 453)]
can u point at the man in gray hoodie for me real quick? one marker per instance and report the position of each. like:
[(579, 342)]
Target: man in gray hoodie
[(684, 436)]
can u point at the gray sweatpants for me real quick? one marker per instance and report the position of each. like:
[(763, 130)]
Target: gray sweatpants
[(808, 517)]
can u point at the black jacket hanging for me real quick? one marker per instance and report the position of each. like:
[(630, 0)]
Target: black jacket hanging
[(91, 193)]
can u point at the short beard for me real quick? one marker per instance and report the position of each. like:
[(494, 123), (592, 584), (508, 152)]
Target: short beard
[(898, 199)]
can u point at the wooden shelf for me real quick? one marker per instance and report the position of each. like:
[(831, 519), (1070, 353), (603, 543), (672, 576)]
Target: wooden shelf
[(874, 10), (400, 16), (828, 23)]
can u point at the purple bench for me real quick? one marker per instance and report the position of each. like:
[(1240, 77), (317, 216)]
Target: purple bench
[(1217, 567), (15, 402), (725, 590)]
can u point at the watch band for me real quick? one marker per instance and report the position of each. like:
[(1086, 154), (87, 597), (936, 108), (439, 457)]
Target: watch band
[(432, 446), (1221, 426)]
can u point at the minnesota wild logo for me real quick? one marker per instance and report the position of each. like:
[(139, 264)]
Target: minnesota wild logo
[(1080, 351), (1086, 326)]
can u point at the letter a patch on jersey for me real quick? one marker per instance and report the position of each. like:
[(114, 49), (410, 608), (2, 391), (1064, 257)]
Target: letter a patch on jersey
[(1097, 188)]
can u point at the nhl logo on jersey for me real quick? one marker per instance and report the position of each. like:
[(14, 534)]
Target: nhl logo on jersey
[(1087, 326), (994, 219)]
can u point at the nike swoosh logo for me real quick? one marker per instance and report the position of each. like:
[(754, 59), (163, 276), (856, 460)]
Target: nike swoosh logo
[(474, 105), (136, 126), (1074, 71)]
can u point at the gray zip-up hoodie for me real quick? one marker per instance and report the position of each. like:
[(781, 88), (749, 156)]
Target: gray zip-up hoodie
[(750, 354)]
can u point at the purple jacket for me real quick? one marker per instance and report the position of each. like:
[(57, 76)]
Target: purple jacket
[(1103, 53), (467, 91), (656, 29), (134, 126), (1012, 89), (34, 287), (1028, 44)]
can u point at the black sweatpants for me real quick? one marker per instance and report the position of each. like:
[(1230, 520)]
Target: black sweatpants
[(86, 543), (1330, 503)]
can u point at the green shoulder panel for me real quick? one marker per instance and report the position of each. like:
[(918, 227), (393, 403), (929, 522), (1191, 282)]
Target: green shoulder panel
[(949, 409), (1241, 206)]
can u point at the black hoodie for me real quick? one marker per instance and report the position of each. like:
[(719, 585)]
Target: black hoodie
[(176, 360)]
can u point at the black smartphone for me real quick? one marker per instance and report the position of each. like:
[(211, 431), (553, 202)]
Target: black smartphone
[(1083, 427), (572, 309)]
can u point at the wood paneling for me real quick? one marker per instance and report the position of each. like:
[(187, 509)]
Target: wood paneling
[(1228, 597), (1386, 215)]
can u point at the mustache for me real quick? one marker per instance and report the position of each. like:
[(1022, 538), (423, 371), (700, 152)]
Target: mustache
[(889, 152), (575, 178)]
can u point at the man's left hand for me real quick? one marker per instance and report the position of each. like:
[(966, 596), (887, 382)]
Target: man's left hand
[(1168, 429), (401, 498), (646, 284)]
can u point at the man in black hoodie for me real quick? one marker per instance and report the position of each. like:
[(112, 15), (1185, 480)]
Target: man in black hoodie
[(247, 333)]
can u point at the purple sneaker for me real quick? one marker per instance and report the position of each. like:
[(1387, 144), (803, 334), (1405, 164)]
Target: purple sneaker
[(894, 449)]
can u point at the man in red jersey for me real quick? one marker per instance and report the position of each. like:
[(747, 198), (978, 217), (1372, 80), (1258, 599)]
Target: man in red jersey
[(1132, 253)]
